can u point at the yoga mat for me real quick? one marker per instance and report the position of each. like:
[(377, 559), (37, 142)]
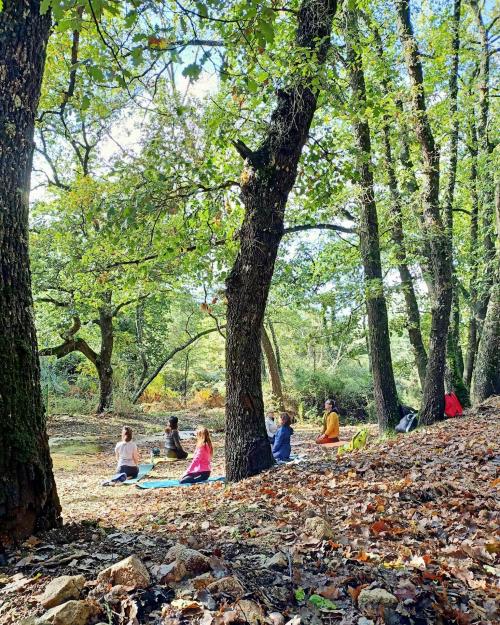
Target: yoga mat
[(167, 459), (144, 469), (172, 483)]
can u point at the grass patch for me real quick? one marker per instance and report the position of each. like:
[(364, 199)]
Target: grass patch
[(74, 448)]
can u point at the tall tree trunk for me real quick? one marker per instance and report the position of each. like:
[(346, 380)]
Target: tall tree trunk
[(487, 370), (384, 386), (411, 303), (486, 168), (266, 181), (472, 333), (103, 362), (272, 365), (139, 330), (28, 496), (453, 349), (398, 237), (433, 396), (410, 188), (277, 351)]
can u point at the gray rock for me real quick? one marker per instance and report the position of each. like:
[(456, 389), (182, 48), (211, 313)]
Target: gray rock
[(319, 528), (69, 613), (129, 572), (62, 589), (371, 598), (278, 561)]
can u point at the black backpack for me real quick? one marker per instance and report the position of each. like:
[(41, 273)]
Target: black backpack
[(408, 423)]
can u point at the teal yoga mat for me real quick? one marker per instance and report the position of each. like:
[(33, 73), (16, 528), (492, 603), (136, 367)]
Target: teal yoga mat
[(172, 483), (144, 469)]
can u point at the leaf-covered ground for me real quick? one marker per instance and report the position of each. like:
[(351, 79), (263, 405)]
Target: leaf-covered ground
[(417, 515)]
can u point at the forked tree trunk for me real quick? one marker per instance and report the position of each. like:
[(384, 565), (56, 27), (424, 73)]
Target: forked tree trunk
[(272, 365), (384, 386), (28, 496), (487, 370), (433, 396), (266, 181)]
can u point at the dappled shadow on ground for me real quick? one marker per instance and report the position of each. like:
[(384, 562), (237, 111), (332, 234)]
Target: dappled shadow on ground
[(414, 516)]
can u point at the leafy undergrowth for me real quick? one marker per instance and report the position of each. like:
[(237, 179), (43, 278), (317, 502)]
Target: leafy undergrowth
[(416, 515)]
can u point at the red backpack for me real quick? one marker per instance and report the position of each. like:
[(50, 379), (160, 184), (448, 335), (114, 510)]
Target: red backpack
[(452, 407)]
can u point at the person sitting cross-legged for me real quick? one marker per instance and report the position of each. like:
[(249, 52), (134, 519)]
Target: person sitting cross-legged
[(201, 465), (281, 445), (331, 425)]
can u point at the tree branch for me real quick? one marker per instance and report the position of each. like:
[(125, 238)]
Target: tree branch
[(169, 356)]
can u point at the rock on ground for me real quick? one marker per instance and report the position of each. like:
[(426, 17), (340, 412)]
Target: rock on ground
[(129, 572), (62, 589), (184, 563), (371, 598), (69, 613), (317, 527)]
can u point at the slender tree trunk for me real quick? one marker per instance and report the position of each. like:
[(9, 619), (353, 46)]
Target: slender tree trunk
[(139, 329), (28, 496), (453, 349), (266, 181), (472, 333), (384, 386), (411, 303), (272, 365), (409, 192), (277, 351), (103, 362), (486, 169), (398, 238), (433, 396), (487, 370)]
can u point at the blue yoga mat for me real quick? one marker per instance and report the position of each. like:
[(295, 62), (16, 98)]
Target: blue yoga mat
[(144, 469), (172, 483)]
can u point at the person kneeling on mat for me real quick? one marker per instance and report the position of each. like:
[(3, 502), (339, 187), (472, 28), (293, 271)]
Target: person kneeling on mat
[(127, 454), (281, 446), (331, 424), (173, 447), (200, 467)]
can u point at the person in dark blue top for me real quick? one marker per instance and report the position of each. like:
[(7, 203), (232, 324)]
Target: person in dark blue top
[(281, 445)]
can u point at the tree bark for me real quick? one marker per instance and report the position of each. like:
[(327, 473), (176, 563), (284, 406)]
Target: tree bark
[(486, 168), (411, 303), (433, 395), (277, 351), (384, 386), (103, 363), (272, 366), (170, 355), (266, 181), (472, 333), (454, 356), (28, 496), (487, 370)]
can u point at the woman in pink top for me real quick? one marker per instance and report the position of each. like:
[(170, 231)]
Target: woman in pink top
[(200, 467)]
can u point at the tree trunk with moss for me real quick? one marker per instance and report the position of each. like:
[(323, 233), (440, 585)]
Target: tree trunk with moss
[(28, 496), (487, 370), (384, 386), (433, 396)]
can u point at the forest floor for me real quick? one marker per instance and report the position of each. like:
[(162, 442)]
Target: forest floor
[(310, 542)]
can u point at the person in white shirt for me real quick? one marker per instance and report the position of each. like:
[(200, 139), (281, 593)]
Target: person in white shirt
[(127, 454), (271, 427)]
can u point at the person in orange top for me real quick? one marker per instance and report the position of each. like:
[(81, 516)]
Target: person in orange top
[(331, 424)]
